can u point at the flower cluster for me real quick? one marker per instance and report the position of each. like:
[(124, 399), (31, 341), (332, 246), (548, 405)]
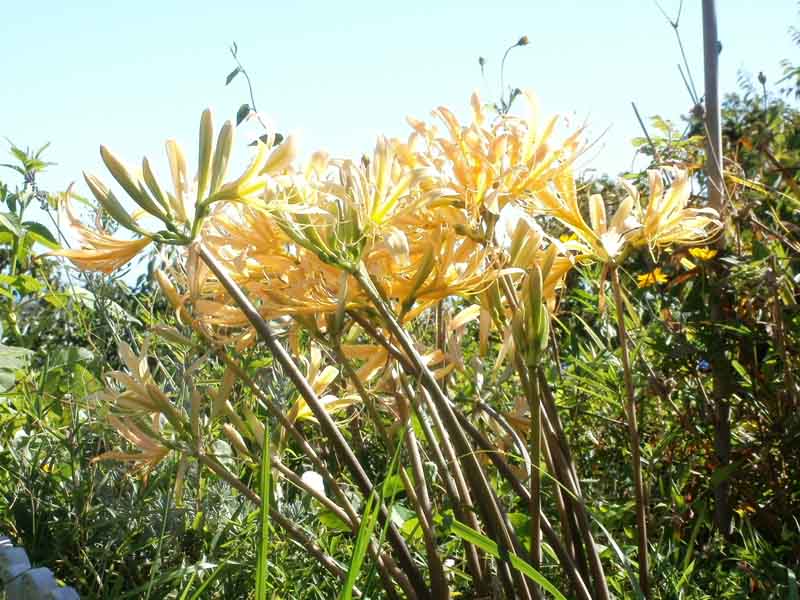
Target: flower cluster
[(419, 217)]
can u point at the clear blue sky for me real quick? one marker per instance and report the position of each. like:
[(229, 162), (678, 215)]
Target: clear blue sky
[(130, 74)]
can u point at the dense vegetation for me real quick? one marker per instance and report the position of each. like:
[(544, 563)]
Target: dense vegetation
[(450, 369)]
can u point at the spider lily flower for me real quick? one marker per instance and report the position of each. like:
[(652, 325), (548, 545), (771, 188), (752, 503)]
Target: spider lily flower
[(527, 251), (610, 237), (176, 208), (139, 395), (488, 165), (151, 450), (181, 213), (320, 379), (249, 186), (99, 251), (601, 238), (667, 220), (380, 189), (444, 264), (374, 358)]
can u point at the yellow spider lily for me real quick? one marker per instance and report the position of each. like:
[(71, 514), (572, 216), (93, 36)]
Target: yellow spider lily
[(603, 239), (488, 165), (320, 379), (667, 220), (99, 251), (151, 451)]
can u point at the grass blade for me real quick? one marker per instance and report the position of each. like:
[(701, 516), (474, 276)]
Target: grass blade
[(489, 546), (368, 524), (263, 542)]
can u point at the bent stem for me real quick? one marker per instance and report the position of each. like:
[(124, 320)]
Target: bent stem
[(633, 433), (329, 428), (488, 504), (535, 450)]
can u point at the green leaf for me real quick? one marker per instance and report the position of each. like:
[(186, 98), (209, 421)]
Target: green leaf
[(11, 222), (265, 138), (263, 544), (332, 522), (368, 524), (56, 300), (488, 545), (724, 473), (242, 113), (232, 75), (12, 359), (41, 234), (28, 284), (412, 529), (87, 299), (394, 485), (70, 355), (791, 578)]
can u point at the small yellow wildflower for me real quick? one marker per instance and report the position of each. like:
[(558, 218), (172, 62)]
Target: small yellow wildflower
[(653, 277), (703, 253)]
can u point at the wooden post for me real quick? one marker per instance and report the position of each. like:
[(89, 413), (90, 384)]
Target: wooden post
[(711, 50), (716, 200)]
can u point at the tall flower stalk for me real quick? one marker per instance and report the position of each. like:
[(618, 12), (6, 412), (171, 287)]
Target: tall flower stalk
[(633, 436)]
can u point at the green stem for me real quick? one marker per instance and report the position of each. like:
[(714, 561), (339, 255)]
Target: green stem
[(535, 450), (633, 433)]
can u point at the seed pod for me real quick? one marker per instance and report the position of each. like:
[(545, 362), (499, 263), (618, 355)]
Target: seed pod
[(180, 478), (518, 332), (195, 414), (341, 305), (534, 307)]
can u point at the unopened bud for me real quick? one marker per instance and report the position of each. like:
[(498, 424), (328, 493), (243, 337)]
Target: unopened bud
[(204, 155), (134, 189), (236, 440)]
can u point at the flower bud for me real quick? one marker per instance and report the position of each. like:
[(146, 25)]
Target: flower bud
[(134, 189), (204, 155), (236, 439), (221, 155), (110, 203)]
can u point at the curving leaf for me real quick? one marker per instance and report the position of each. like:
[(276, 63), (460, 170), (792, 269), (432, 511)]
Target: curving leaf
[(12, 359)]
